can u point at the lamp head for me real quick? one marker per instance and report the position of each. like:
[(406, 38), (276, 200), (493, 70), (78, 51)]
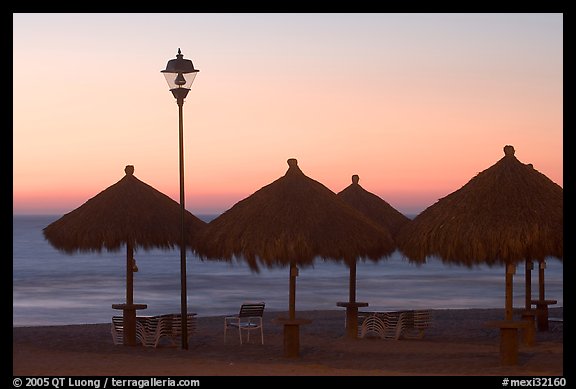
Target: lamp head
[(180, 73)]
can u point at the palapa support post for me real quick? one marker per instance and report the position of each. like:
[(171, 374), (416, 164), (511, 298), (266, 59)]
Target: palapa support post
[(541, 288), (129, 315), (542, 303), (510, 270), (291, 324), (352, 305), (508, 346), (529, 333), (291, 329), (352, 287), (129, 274), (528, 281), (291, 340), (129, 308), (352, 321), (292, 297), (352, 310), (509, 339), (509, 327), (541, 307)]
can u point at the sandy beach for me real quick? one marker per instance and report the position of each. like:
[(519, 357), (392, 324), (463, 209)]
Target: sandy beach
[(457, 344)]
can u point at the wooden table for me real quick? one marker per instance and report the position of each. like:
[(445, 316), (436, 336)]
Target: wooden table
[(351, 316), (129, 318), (508, 339), (291, 335), (542, 312)]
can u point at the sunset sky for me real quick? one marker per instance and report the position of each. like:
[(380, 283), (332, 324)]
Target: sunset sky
[(415, 104)]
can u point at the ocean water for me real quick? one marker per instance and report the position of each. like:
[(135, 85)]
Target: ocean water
[(53, 288)]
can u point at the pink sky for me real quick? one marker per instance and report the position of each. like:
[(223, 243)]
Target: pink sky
[(415, 104)]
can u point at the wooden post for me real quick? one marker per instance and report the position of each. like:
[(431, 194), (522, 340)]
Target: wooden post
[(509, 339), (528, 281), (542, 307), (352, 286), (292, 298), (510, 270), (129, 315), (291, 340), (508, 346), (541, 267), (291, 328), (352, 309), (352, 322), (129, 273), (529, 333)]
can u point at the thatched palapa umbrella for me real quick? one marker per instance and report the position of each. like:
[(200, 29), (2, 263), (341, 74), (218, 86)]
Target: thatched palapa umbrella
[(382, 213), (292, 221), (506, 214), (130, 213)]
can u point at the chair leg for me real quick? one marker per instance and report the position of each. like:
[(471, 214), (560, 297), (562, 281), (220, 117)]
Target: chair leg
[(240, 334), (262, 334), (225, 327)]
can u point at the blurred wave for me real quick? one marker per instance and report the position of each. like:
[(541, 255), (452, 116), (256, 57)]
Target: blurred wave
[(53, 288)]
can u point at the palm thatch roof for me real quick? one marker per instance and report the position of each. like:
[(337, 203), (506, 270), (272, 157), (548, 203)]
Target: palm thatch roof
[(507, 213), (293, 220), (128, 211), (373, 206)]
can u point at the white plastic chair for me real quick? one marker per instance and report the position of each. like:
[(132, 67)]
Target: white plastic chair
[(248, 319)]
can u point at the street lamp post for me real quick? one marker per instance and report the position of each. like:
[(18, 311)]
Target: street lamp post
[(180, 74)]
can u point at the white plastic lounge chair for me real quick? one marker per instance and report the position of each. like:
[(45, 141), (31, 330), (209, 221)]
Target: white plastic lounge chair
[(394, 325), (415, 322), (168, 326), (248, 319), (151, 329), (117, 330), (387, 325)]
